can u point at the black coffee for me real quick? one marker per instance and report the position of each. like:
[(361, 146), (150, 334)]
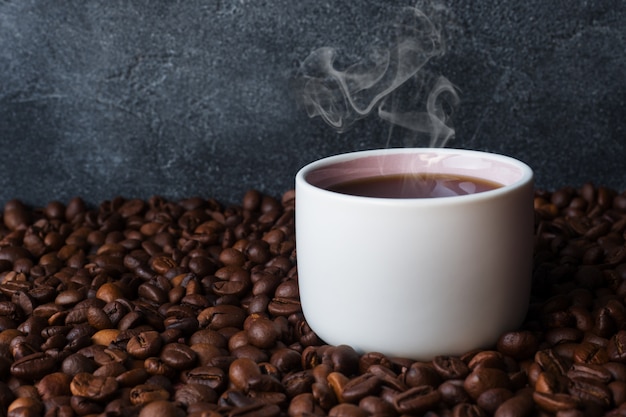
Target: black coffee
[(414, 186)]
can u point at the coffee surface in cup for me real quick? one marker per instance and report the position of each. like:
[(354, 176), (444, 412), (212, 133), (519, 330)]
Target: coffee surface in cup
[(414, 186)]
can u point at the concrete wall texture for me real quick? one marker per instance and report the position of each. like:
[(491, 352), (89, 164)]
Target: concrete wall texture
[(196, 98)]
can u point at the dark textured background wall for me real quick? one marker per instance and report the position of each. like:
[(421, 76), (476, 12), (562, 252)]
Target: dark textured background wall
[(183, 98)]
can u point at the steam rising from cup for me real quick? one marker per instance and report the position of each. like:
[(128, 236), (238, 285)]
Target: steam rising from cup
[(343, 96)]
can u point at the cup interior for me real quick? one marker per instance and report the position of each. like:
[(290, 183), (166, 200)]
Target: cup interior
[(500, 169)]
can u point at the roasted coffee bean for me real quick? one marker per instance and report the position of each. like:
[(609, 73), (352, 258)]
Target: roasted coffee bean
[(590, 390), (286, 359), (93, 387), (243, 373), (417, 400), (550, 383), (587, 352), (53, 385), (146, 393), (34, 366), (155, 366), (132, 377), (491, 399), (77, 363), (25, 407), (468, 410), (280, 306), (452, 392), (552, 362), (483, 379), (616, 349), (85, 406), (597, 372), (347, 410), (178, 356), (618, 392), (262, 333), (377, 406), (221, 316), (387, 377), (144, 345), (520, 405), (421, 373), (450, 367), (554, 403), (211, 376), (304, 405), (487, 359), (161, 408), (298, 382), (360, 387)]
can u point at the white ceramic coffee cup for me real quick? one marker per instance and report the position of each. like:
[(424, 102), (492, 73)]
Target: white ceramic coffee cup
[(416, 277)]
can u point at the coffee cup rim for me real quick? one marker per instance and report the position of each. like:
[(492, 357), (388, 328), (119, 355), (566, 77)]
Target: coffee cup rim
[(303, 177)]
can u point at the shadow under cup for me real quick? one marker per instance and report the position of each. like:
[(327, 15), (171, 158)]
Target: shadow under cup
[(414, 277)]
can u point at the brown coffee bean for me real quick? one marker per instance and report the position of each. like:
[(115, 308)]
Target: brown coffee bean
[(33, 366), (16, 215), (590, 353), (452, 392), (296, 383), (24, 408), (280, 306), (520, 405), (85, 406), (104, 337), (417, 400), (347, 410), (342, 358), (552, 362), (618, 392), (132, 377), (616, 369), (161, 408), (211, 376), (304, 405), (597, 372), (361, 387), (491, 399), (193, 393), (98, 319), (77, 363), (178, 356), (553, 403), (590, 390), (488, 359), (244, 373), (421, 373), (450, 367), (616, 349), (147, 393), (483, 379), (93, 387), (53, 385), (221, 316), (155, 366), (337, 381), (286, 360), (109, 292), (563, 335), (388, 377), (144, 345), (468, 410)]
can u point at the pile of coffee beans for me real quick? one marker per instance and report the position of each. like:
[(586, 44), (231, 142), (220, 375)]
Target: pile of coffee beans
[(174, 308)]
